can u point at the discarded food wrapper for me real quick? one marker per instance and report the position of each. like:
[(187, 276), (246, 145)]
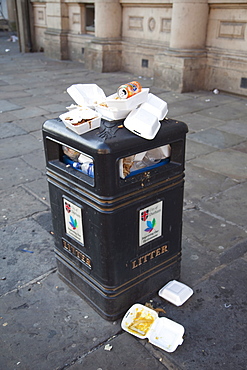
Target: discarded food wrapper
[(81, 120), (144, 322), (176, 292)]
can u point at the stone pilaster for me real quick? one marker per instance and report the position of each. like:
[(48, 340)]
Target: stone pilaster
[(57, 30), (103, 54), (181, 67)]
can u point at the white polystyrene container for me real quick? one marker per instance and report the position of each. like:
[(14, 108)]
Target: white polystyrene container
[(86, 94), (142, 123), (112, 113), (156, 106), (127, 104), (71, 119), (176, 292), (160, 331)]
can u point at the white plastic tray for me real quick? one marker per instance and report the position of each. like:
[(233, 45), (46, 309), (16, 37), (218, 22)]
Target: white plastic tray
[(143, 322), (176, 292), (76, 115)]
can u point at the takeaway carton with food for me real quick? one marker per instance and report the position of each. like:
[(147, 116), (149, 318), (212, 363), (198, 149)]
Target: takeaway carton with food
[(144, 322), (81, 120)]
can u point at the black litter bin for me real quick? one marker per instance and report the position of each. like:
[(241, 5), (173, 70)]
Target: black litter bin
[(117, 235)]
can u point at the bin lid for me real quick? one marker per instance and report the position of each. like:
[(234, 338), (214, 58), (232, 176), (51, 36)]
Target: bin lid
[(176, 292)]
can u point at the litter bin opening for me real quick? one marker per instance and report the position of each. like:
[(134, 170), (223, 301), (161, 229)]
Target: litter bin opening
[(70, 160), (144, 161)]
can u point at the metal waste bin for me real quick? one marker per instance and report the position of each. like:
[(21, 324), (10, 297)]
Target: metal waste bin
[(117, 239)]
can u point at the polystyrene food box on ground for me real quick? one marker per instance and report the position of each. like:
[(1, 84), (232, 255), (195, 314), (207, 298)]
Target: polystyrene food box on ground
[(143, 322), (176, 292)]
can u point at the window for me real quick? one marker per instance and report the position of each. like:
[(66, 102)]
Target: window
[(90, 18)]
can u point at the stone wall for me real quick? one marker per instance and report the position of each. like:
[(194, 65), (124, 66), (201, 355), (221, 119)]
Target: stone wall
[(185, 45)]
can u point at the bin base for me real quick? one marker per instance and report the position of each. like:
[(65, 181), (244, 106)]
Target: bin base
[(113, 306)]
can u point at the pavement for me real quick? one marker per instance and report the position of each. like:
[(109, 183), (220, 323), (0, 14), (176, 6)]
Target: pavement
[(43, 323)]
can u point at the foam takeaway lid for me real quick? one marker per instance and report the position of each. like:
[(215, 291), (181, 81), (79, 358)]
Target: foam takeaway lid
[(176, 292)]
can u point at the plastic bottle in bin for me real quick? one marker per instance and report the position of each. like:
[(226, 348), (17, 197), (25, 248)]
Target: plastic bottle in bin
[(87, 167)]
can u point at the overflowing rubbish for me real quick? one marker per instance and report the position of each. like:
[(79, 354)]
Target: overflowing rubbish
[(141, 110)]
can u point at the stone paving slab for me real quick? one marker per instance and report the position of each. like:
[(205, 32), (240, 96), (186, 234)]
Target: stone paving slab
[(200, 184), (39, 188), (5, 106), (120, 356), (228, 162), (49, 326), (241, 147), (13, 209), (11, 129), (39, 100), (226, 112), (9, 92), (214, 235), (26, 253), (196, 263), (19, 173), (229, 205), (31, 124), (195, 149), (216, 138), (237, 126), (197, 122), (21, 144), (30, 112), (6, 117), (37, 159)]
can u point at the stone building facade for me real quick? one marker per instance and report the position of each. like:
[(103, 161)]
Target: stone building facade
[(185, 45)]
